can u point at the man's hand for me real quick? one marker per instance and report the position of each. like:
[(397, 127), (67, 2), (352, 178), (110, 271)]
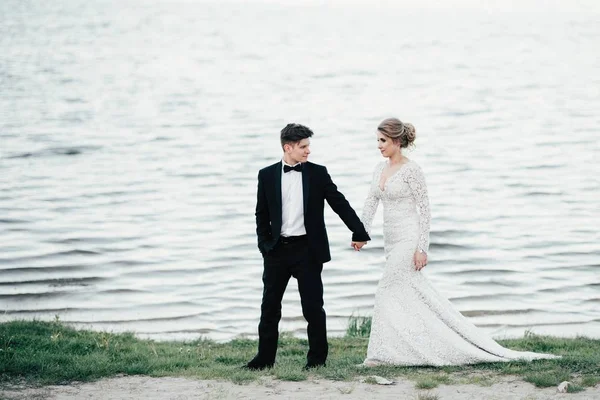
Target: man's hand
[(357, 245)]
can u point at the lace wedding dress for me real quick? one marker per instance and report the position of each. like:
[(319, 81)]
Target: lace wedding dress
[(412, 323)]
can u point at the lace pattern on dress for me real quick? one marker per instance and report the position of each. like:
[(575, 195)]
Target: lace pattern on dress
[(414, 177)]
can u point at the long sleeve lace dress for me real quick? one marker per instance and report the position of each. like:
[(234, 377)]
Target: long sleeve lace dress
[(412, 323)]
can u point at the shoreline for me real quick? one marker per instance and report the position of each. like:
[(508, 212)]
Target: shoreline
[(52, 360)]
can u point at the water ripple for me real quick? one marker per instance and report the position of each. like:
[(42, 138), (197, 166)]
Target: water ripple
[(128, 184)]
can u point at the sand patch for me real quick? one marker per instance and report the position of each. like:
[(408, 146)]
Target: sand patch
[(175, 388)]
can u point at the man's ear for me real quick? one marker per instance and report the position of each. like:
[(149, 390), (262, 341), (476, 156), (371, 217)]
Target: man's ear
[(287, 148)]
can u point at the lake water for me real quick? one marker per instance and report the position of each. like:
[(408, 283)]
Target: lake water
[(131, 134)]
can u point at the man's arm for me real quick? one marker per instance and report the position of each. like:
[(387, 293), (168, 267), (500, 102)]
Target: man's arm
[(263, 221), (340, 205)]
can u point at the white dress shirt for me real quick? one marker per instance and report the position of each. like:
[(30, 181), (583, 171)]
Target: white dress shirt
[(292, 203)]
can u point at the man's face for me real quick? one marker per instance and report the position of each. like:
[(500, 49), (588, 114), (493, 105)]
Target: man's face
[(298, 152)]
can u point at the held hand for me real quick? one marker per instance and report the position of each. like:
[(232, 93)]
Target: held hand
[(420, 260), (357, 245)]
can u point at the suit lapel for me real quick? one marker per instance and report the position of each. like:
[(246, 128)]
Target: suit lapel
[(305, 185), (278, 189)]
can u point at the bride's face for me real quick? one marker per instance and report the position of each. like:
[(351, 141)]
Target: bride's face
[(386, 145)]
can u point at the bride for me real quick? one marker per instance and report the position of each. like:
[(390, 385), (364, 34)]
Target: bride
[(412, 323)]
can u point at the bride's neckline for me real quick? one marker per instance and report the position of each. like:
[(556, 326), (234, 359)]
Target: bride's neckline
[(387, 164)]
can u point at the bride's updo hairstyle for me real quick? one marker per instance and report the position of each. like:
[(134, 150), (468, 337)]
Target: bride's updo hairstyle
[(401, 133)]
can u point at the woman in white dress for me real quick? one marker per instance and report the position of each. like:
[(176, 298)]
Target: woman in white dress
[(412, 323)]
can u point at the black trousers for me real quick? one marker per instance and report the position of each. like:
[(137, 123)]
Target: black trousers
[(292, 258)]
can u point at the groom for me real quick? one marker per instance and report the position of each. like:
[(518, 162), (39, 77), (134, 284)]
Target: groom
[(293, 241)]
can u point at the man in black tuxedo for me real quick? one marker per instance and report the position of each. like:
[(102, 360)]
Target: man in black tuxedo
[(293, 241)]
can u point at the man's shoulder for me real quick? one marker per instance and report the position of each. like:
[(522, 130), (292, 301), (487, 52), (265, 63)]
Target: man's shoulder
[(269, 168), (315, 167)]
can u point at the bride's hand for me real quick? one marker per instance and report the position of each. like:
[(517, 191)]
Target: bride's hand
[(420, 260), (357, 245)]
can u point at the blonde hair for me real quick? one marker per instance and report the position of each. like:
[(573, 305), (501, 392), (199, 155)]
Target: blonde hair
[(400, 132)]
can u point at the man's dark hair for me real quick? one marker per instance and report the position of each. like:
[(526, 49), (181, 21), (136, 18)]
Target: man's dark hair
[(293, 133)]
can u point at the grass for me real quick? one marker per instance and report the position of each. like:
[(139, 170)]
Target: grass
[(359, 327), (481, 380), (427, 396), (575, 388), (590, 380), (42, 353), (432, 381)]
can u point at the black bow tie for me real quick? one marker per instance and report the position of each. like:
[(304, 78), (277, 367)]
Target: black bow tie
[(297, 167)]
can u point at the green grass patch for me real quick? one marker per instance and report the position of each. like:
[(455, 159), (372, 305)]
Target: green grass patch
[(590, 380), (547, 379), (359, 327), (574, 388), (481, 380), (432, 381), (370, 380), (426, 383), (290, 374), (41, 353), (427, 396)]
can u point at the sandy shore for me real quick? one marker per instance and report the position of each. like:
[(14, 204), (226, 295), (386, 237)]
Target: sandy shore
[(141, 387)]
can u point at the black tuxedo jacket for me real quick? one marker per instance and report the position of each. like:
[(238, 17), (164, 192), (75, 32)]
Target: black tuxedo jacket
[(317, 187)]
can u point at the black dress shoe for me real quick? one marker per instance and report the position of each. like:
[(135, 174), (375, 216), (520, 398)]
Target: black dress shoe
[(257, 366), (310, 366)]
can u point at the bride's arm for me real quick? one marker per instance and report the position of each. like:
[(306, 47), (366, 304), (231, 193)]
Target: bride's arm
[(418, 188), (371, 202)]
